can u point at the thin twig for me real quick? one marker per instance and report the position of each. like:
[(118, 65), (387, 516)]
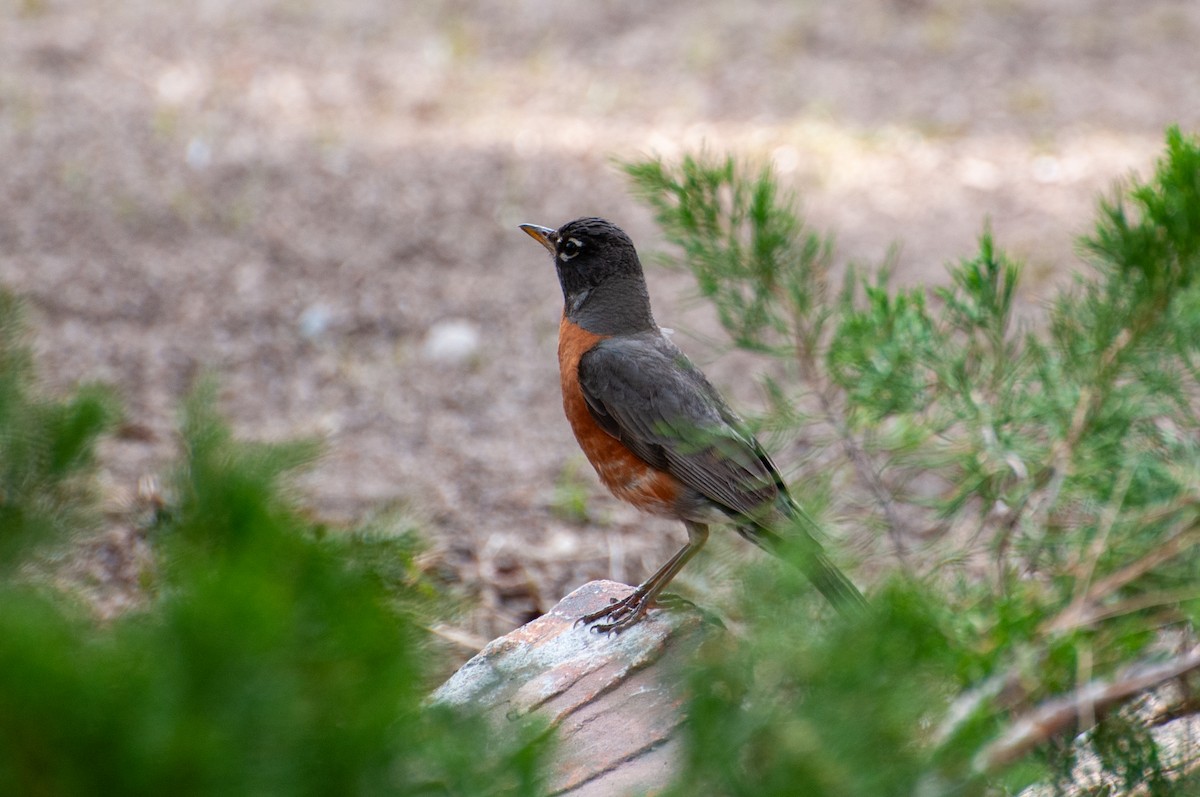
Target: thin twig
[(458, 636), (1061, 454), (862, 465), (1002, 691), (1063, 714), (1140, 603), (858, 457), (1062, 451), (1083, 610), (1107, 520)]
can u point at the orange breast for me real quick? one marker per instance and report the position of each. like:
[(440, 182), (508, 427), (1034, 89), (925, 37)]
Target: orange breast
[(623, 472)]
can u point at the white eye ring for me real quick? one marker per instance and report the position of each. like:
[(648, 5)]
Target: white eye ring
[(570, 249)]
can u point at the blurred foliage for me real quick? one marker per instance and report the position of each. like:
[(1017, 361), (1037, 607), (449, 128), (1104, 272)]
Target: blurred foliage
[(277, 657), (571, 491), (1038, 492), (46, 448), (791, 711)]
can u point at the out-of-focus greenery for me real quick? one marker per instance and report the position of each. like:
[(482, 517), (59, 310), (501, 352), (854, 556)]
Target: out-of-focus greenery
[(1028, 499), (272, 658), (46, 448)]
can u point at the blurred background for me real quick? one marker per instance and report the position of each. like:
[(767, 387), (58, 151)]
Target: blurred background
[(317, 202)]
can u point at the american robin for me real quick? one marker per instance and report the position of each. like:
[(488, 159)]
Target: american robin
[(657, 432)]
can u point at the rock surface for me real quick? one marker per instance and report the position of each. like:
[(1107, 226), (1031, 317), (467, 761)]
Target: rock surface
[(615, 700)]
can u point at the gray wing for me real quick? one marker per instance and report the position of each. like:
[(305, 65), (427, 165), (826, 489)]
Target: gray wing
[(645, 392)]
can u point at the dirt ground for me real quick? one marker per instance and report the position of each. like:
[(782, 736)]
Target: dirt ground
[(317, 202)]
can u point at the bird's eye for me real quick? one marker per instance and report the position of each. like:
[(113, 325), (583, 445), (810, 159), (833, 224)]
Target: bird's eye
[(570, 249)]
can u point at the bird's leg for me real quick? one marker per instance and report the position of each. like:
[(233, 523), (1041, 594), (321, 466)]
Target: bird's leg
[(629, 610)]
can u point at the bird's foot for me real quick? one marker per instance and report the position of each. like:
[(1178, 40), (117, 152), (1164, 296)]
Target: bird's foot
[(621, 614)]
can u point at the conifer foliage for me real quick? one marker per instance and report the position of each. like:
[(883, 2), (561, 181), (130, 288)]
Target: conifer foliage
[(1028, 497), (272, 658)]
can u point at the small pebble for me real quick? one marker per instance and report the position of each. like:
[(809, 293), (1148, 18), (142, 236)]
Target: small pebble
[(314, 321), (451, 341)]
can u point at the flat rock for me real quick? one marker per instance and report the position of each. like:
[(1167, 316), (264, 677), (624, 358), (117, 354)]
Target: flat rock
[(615, 700)]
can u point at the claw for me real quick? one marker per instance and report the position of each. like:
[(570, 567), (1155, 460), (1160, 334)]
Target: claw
[(622, 613)]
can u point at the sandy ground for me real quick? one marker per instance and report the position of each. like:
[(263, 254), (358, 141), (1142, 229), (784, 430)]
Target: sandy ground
[(297, 196)]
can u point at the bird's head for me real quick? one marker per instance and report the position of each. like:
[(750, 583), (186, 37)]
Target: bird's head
[(600, 273)]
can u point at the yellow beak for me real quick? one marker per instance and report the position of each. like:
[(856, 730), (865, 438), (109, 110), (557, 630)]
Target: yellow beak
[(540, 234)]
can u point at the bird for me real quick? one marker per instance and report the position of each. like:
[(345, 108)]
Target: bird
[(656, 431)]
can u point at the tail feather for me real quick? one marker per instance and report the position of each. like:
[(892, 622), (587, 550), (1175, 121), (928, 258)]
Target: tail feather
[(830, 581)]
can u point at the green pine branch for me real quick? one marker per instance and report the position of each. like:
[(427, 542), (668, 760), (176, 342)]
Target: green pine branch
[(1026, 497)]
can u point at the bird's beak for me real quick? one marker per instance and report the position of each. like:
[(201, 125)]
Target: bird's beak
[(540, 234)]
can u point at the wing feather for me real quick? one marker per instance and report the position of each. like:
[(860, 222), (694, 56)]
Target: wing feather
[(646, 393)]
